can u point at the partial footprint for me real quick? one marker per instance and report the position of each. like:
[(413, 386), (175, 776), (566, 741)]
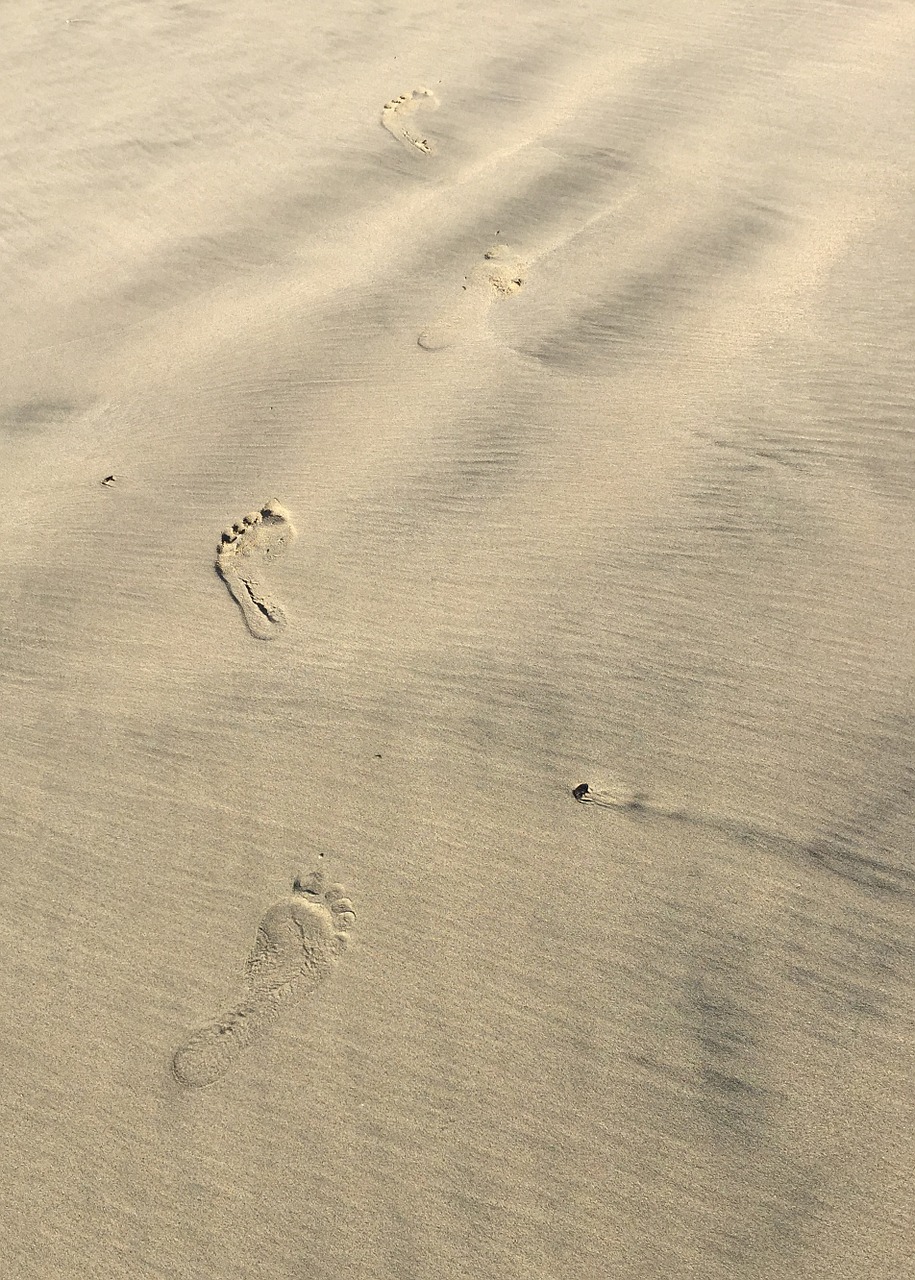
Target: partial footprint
[(245, 549), (396, 116), (501, 273), (298, 944)]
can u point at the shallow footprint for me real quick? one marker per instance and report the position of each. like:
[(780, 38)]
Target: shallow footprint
[(251, 543), (298, 943), (500, 274), (396, 118)]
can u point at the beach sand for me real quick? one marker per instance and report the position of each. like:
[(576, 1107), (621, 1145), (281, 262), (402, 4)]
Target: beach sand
[(560, 359)]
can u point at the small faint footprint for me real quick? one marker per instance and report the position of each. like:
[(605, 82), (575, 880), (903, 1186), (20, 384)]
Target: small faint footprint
[(244, 550), (396, 118), (501, 273), (298, 944)]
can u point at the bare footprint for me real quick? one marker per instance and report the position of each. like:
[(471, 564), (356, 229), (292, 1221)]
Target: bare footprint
[(259, 537), (298, 943), (396, 118), (500, 274)]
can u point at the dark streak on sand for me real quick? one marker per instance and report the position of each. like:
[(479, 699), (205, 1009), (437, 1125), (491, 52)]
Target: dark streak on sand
[(835, 852)]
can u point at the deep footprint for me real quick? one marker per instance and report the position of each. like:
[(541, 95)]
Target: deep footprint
[(298, 944), (396, 116), (500, 274), (251, 543)]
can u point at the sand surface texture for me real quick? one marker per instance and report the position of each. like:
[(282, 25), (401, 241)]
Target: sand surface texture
[(409, 412)]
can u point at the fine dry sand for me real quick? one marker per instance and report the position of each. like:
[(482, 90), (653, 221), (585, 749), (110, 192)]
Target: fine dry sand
[(554, 366)]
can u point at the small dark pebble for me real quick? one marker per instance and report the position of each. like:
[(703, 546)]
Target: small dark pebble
[(580, 791)]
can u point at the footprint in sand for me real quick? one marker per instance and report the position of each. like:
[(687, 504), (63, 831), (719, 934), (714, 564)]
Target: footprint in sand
[(251, 543), (500, 274), (396, 116), (298, 944)]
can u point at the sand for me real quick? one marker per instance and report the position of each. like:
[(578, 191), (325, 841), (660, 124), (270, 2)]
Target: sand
[(550, 371)]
